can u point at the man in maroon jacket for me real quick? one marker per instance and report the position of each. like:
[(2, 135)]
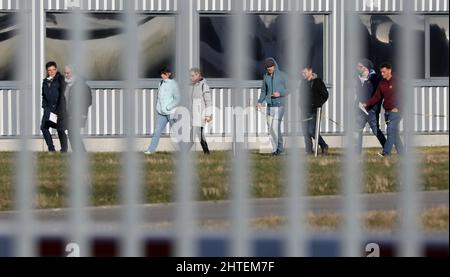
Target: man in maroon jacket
[(388, 91)]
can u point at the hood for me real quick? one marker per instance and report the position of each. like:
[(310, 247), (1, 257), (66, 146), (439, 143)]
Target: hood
[(306, 81), (372, 72), (201, 81), (275, 62)]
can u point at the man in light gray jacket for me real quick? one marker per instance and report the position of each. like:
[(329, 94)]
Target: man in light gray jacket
[(200, 107)]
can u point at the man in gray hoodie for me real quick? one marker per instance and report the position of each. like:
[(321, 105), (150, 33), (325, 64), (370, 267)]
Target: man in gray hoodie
[(273, 92), (200, 106)]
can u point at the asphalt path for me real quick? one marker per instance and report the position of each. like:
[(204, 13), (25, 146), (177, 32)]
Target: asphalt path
[(220, 210)]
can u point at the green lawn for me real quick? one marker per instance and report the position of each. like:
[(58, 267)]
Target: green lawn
[(213, 176)]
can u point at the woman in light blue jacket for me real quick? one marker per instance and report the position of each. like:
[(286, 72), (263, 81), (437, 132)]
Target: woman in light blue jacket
[(167, 100)]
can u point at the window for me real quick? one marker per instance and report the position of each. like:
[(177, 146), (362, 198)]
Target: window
[(105, 45), (382, 40), (381, 34), (8, 33), (213, 43), (266, 39), (439, 38)]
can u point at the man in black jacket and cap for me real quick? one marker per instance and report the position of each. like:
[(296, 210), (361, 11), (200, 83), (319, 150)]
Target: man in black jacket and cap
[(54, 105), (315, 95)]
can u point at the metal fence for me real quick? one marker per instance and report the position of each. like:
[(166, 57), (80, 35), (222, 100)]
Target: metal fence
[(130, 113)]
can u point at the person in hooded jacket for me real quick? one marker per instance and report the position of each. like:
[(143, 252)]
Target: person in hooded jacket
[(273, 93), (54, 102), (200, 106), (167, 101), (366, 86)]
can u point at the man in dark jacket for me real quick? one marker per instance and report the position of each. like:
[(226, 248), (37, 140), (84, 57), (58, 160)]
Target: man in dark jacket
[(316, 94), (75, 84), (53, 103), (273, 93), (366, 85)]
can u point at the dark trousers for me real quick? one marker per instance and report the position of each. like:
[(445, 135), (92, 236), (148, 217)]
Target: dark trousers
[(45, 129), (198, 131), (309, 132)]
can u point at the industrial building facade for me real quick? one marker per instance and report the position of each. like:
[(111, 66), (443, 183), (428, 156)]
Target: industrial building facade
[(208, 21)]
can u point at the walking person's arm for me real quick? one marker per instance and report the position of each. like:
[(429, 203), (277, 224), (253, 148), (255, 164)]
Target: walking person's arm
[(175, 97), (61, 105), (44, 99), (323, 87), (374, 99), (207, 98), (283, 90), (262, 95), (88, 98)]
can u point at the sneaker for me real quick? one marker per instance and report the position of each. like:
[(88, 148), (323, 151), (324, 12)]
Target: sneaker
[(148, 153), (275, 153), (325, 151), (382, 154)]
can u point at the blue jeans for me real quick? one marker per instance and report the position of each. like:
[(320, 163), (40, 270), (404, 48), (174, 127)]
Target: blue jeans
[(161, 122), (274, 120), (374, 122), (393, 133), (309, 132)]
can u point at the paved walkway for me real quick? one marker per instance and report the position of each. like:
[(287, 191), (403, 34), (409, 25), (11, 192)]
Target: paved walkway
[(154, 213)]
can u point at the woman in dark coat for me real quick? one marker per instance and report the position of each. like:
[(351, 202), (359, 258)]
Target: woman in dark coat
[(53, 101)]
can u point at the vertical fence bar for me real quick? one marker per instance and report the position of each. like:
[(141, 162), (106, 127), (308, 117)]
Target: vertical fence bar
[(2, 118), (185, 225), (445, 109), (317, 133), (351, 181), (78, 171), (130, 186), (334, 46), (296, 188), (24, 193), (240, 164), (409, 197)]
